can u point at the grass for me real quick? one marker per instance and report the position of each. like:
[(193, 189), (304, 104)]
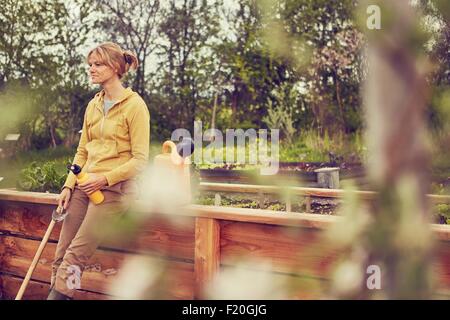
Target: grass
[(309, 147), (10, 168)]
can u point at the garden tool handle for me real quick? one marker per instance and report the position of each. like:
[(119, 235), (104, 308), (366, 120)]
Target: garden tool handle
[(171, 148), (36, 258), (168, 146)]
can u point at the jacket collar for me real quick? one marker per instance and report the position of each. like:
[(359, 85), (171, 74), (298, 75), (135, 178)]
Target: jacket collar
[(99, 97)]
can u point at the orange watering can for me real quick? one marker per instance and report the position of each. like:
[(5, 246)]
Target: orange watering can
[(175, 159)]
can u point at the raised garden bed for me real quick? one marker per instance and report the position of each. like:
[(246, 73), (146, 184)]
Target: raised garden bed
[(210, 241)]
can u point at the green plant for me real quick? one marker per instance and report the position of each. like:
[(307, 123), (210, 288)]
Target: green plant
[(281, 116), (444, 211), (41, 177)]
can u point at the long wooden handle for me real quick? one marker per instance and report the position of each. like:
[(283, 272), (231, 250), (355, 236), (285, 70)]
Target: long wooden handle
[(168, 146), (35, 260)]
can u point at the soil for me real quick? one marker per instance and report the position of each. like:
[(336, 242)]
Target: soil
[(323, 206)]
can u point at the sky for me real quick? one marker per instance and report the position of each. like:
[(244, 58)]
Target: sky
[(152, 62)]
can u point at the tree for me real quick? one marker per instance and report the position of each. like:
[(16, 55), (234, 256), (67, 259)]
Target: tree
[(133, 24), (188, 30), (73, 91), (309, 44), (254, 72), (336, 69), (30, 58), (23, 53), (334, 78)]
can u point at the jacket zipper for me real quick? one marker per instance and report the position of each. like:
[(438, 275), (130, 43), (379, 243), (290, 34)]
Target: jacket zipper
[(101, 137), (103, 120), (101, 132), (101, 126)]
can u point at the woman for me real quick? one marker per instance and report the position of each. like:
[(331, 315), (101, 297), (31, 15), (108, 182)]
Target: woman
[(113, 149)]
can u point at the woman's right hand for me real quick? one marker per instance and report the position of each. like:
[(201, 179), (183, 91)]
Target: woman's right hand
[(64, 198)]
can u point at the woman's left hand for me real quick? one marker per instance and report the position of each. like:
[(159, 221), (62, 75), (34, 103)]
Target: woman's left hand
[(94, 182)]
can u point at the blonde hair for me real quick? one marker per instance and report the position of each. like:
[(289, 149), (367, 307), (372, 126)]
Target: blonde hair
[(113, 56)]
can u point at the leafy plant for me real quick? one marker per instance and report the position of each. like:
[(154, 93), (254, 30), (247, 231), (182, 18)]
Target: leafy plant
[(281, 115), (443, 210), (41, 177)]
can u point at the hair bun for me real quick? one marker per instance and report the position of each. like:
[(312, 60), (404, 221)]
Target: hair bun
[(127, 58)]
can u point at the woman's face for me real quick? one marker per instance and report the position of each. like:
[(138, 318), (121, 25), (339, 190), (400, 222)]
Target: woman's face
[(99, 72)]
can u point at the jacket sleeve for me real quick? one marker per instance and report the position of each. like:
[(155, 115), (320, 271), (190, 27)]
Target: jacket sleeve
[(81, 155), (139, 129)]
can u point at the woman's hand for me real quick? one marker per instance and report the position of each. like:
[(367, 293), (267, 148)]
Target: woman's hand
[(94, 182), (64, 198)]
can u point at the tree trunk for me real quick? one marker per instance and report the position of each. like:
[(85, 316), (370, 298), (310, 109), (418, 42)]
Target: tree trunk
[(52, 135), (213, 117), (341, 107)]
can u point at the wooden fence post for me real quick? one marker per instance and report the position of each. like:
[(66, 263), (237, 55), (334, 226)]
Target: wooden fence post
[(288, 205), (308, 203), (261, 200), (207, 253), (328, 177), (217, 199)]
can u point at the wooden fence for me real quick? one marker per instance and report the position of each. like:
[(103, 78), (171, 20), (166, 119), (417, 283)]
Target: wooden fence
[(197, 245), (288, 193)]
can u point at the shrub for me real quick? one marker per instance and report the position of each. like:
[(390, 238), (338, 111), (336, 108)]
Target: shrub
[(443, 211), (41, 177)]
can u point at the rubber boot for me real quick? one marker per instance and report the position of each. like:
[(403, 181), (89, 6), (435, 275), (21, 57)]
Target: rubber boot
[(56, 295)]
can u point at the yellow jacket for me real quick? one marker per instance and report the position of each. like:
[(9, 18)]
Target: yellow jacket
[(115, 144)]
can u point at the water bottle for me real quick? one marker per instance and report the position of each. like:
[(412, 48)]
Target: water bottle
[(96, 197)]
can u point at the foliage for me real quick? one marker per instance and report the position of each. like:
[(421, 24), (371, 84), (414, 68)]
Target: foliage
[(311, 146), (334, 77), (444, 211), (282, 115), (188, 32), (292, 64), (322, 45), (47, 64), (41, 178), (133, 24)]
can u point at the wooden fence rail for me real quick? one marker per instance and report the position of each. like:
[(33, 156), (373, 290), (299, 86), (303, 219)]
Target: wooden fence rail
[(288, 192), (196, 245)]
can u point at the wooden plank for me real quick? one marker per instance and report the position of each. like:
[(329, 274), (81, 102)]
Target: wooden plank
[(50, 198), (207, 253), (275, 285), (171, 237), (281, 218), (254, 215), (441, 266), (250, 215), (248, 232), (302, 252), (289, 250), (300, 191), (27, 218), (441, 231), (159, 234), (164, 234), (263, 216), (100, 271), (37, 290), (31, 197), (19, 253)]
